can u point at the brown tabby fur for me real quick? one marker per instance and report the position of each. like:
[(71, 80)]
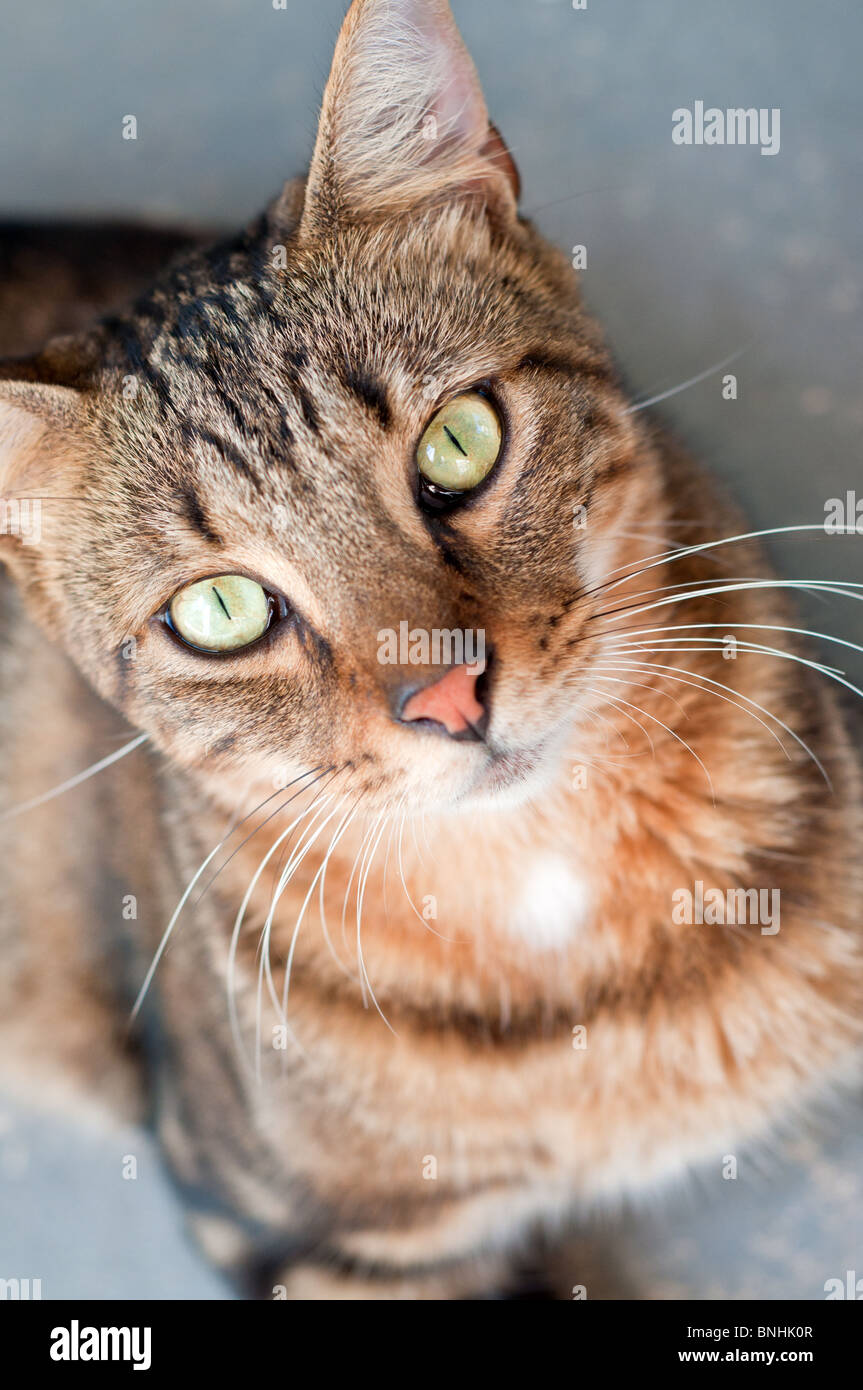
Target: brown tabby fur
[(272, 431)]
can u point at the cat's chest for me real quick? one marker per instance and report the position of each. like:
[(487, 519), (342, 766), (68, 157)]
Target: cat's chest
[(551, 905)]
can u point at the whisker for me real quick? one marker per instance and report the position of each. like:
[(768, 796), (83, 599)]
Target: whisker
[(735, 586), (230, 978), (595, 716), (428, 846), (603, 695), (685, 385), (265, 972), (360, 898), (614, 759), (359, 906), (815, 585), (318, 877), (385, 872), (832, 672), (654, 689), (420, 855), (323, 772), (428, 926), (716, 644), (308, 838), (73, 782), (366, 836), (321, 905), (675, 736), (645, 668), (304, 844), (679, 553), (758, 649), (751, 627), (166, 935)]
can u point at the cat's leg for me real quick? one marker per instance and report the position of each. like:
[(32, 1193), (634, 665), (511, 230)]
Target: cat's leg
[(266, 1266), (327, 1277), (325, 1273), (327, 1280), (572, 1265)]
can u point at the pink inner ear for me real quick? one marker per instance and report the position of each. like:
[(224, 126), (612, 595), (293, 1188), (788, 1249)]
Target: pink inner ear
[(404, 119), (457, 105), (459, 111)]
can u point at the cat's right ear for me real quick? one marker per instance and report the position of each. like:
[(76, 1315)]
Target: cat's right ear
[(404, 122)]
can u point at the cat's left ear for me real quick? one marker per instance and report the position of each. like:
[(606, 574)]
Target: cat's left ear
[(35, 420), (404, 122)]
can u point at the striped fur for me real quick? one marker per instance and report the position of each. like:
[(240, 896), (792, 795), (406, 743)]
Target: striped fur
[(257, 410)]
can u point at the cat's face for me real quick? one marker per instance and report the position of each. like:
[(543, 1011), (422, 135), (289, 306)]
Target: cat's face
[(276, 419)]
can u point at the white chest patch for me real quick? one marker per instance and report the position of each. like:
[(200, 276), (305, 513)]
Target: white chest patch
[(551, 906)]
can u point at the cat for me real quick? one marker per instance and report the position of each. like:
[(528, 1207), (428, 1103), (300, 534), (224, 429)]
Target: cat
[(401, 941)]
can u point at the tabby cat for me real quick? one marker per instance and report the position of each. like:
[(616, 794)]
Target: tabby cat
[(413, 972)]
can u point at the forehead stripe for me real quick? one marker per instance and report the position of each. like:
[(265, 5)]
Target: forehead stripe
[(371, 391)]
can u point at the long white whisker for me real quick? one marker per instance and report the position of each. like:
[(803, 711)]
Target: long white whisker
[(238, 925), (595, 715), (757, 648), (640, 685), (818, 587), (359, 902), (420, 855), (265, 971), (411, 902), (613, 759), (604, 695), (729, 587), (724, 627), (685, 385), (166, 935), (831, 672), (366, 836), (651, 665), (266, 821), (428, 845), (345, 821), (678, 739), (321, 904), (716, 644), (651, 561), (73, 782), (360, 897), (393, 824)]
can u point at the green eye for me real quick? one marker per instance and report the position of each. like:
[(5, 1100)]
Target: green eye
[(221, 614), (462, 444)]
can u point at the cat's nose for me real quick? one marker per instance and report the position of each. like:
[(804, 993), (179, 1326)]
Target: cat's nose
[(453, 703)]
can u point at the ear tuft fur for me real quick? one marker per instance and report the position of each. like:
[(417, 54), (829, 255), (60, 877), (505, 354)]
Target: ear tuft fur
[(404, 121)]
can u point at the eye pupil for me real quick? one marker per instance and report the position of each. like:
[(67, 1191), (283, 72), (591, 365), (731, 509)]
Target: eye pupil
[(461, 445), (451, 437), (222, 603)]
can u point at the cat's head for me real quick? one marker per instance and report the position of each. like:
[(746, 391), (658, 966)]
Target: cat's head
[(378, 435)]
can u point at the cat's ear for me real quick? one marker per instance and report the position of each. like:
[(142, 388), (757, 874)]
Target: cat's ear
[(404, 122), (35, 420)]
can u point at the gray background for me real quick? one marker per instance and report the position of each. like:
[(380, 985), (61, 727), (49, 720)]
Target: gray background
[(692, 254)]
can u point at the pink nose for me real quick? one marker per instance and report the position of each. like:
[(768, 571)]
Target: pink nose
[(451, 701)]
